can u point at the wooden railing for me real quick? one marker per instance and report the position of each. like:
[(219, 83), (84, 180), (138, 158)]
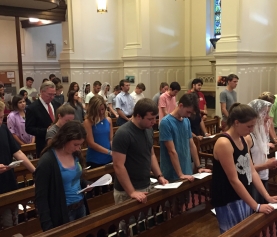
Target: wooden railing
[(213, 125), (25, 196), (166, 215), (256, 225)]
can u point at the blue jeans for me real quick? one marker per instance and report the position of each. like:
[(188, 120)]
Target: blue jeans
[(231, 214), (77, 213), (120, 121)]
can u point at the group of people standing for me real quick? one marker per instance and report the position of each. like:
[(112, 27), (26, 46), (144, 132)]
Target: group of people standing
[(240, 153)]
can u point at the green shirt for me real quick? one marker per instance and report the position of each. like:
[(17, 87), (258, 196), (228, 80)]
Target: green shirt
[(273, 112)]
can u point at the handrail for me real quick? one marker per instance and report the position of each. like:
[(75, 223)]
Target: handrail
[(252, 225), (103, 219)]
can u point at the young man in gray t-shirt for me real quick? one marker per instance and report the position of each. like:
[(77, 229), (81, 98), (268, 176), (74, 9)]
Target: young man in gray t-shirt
[(227, 98), (133, 154)]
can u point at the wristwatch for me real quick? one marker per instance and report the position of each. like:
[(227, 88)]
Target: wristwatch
[(160, 175)]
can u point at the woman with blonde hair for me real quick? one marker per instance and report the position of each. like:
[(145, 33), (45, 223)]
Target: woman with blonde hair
[(99, 130)]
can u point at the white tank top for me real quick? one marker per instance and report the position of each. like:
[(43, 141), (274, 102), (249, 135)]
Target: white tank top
[(258, 158)]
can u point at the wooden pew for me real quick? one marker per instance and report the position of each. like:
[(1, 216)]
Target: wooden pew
[(167, 215), (156, 136), (114, 122), (29, 150), (213, 125), (31, 223), (258, 224), (205, 150)]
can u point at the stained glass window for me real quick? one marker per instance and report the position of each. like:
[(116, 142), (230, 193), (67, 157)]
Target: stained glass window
[(217, 18)]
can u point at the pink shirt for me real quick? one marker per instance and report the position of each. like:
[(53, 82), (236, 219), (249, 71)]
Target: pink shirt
[(16, 125), (168, 102)]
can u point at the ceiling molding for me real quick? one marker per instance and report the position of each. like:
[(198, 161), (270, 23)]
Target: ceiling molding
[(56, 14), (42, 5)]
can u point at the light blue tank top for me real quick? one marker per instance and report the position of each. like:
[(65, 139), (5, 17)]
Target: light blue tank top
[(71, 181)]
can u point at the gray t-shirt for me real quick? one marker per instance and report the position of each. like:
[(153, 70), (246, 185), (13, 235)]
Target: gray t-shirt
[(229, 98), (138, 157), (156, 98), (79, 114), (51, 132), (111, 100)]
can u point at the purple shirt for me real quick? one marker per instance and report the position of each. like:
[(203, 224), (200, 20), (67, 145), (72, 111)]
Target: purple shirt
[(16, 125)]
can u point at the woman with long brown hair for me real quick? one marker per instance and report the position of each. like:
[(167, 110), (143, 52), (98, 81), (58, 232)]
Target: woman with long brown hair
[(58, 178)]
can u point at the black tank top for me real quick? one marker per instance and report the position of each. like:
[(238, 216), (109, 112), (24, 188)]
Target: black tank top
[(222, 191)]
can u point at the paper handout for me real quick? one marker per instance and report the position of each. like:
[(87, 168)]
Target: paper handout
[(152, 180), (209, 136), (104, 180), (169, 186), (274, 205), (15, 163), (201, 175), (213, 211), (20, 207)]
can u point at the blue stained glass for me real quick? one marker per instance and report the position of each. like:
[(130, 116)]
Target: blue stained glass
[(217, 17)]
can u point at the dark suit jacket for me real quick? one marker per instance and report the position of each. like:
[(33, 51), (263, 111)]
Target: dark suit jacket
[(37, 122)]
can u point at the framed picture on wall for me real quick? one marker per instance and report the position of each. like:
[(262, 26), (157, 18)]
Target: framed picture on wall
[(222, 81), (131, 79), (51, 50)]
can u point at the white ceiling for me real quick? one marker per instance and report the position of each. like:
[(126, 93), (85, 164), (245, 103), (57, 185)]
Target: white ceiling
[(32, 4)]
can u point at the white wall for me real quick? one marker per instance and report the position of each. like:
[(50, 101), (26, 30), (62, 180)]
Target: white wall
[(33, 47), (248, 47)]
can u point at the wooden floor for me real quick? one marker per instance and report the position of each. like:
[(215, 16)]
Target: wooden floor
[(205, 226)]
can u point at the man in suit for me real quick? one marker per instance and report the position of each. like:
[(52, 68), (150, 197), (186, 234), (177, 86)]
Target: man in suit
[(41, 114)]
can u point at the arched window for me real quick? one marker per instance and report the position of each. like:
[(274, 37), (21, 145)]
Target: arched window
[(217, 18)]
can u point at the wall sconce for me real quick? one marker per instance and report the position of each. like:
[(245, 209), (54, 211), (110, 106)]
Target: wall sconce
[(102, 6)]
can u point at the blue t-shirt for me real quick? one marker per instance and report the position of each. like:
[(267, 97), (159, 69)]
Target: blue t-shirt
[(71, 181), (101, 136), (172, 129)]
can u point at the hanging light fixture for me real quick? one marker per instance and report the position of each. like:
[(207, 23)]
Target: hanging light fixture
[(33, 20), (102, 6)]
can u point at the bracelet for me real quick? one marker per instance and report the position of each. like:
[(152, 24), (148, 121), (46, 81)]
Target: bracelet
[(160, 175), (258, 208), (109, 152)]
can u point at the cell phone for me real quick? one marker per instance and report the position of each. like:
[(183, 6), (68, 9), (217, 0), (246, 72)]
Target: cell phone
[(15, 163)]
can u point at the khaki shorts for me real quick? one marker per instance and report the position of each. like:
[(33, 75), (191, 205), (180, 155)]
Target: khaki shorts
[(8, 217), (121, 196)]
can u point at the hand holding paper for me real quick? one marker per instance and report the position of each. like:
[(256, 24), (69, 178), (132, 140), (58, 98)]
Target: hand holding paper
[(104, 180), (209, 136), (15, 163)]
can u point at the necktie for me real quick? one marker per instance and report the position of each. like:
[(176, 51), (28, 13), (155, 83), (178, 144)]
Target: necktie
[(50, 111)]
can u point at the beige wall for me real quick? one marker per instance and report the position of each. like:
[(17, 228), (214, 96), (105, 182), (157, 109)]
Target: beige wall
[(154, 41)]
